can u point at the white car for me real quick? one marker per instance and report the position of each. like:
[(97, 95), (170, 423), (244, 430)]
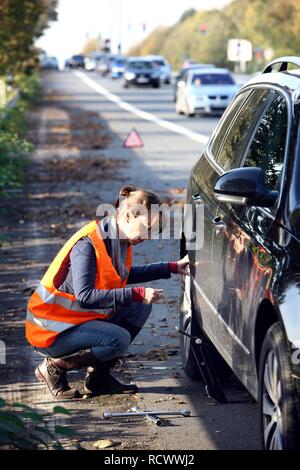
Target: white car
[(91, 61), (205, 90), (163, 65)]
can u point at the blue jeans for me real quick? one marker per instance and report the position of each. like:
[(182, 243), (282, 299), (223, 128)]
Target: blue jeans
[(107, 339)]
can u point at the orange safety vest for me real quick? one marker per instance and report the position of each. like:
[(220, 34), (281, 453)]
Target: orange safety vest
[(50, 311)]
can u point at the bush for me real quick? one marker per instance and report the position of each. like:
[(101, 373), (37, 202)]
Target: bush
[(14, 148), (22, 427), (13, 153)]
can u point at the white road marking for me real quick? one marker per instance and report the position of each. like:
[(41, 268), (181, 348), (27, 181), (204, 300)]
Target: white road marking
[(202, 139)]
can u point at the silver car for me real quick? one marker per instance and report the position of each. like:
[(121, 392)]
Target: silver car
[(205, 91)]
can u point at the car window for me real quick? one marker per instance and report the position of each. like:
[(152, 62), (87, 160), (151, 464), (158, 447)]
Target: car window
[(222, 130), (267, 147), (239, 129), (213, 79), (140, 65)]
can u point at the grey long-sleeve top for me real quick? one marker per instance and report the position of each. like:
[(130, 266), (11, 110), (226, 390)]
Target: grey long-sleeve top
[(81, 274)]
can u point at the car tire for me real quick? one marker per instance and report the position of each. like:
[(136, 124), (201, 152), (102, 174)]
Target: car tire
[(187, 325), (178, 111), (277, 398), (190, 325), (187, 110)]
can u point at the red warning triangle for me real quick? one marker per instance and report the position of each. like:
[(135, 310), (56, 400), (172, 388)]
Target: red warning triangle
[(133, 140)]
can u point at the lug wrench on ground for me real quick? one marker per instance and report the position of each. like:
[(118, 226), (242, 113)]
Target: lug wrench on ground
[(153, 418), (183, 412)]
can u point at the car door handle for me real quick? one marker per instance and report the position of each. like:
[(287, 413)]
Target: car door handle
[(219, 224), (197, 199)]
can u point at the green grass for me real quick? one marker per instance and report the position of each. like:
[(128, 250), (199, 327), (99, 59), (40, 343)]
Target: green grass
[(14, 148)]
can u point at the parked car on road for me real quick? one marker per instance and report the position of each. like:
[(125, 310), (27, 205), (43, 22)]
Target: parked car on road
[(141, 71), (163, 66), (205, 91), (180, 75), (243, 295)]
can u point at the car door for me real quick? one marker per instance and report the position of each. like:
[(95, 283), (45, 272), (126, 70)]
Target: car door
[(204, 208), (243, 242)]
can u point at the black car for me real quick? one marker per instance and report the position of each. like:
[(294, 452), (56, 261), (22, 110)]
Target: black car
[(243, 295), (139, 71), (75, 62)]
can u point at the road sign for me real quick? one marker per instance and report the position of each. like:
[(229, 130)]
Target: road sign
[(202, 28), (133, 140), (239, 50)]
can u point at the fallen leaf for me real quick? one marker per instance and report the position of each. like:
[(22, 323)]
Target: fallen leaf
[(103, 443)]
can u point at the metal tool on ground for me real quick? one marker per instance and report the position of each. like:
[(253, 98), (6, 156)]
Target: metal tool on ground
[(153, 418), (183, 412), (213, 386)]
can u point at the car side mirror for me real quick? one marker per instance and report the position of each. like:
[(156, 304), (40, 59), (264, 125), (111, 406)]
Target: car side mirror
[(245, 186)]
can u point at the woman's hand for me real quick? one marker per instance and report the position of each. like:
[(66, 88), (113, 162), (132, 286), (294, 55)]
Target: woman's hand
[(184, 266), (153, 296)]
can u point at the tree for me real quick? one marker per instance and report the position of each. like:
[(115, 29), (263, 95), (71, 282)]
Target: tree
[(187, 14), (21, 22), (265, 23), (91, 45)]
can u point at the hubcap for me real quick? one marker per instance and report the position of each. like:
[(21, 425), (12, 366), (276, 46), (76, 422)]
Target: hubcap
[(272, 402)]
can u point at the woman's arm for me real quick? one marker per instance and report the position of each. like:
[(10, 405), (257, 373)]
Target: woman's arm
[(149, 272), (83, 268)]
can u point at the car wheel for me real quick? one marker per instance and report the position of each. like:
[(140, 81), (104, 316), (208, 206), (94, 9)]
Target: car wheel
[(188, 112), (189, 325), (178, 110), (279, 422)]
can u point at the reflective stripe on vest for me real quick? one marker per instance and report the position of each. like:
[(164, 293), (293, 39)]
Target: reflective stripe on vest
[(51, 311), (51, 325), (52, 299)]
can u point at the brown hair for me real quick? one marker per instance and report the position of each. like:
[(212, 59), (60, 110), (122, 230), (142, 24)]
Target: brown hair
[(136, 195)]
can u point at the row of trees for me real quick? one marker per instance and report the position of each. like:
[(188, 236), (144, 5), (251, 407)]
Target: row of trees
[(268, 24), (21, 23)]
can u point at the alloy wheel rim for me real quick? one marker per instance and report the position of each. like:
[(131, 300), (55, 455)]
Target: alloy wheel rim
[(272, 404)]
